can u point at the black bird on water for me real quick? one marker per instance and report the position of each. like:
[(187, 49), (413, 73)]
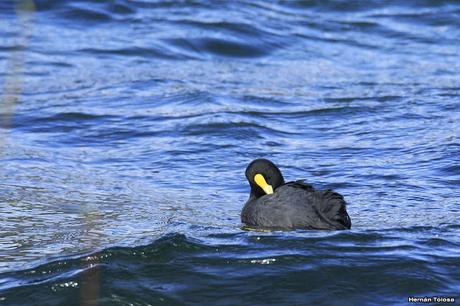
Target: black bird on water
[(274, 204)]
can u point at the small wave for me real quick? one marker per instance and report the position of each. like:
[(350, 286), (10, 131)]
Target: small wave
[(220, 47), (150, 52), (85, 11), (242, 129)]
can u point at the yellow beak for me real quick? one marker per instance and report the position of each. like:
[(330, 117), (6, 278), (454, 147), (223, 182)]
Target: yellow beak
[(260, 181)]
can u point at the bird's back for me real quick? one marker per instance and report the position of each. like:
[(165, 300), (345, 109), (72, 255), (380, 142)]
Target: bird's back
[(297, 205)]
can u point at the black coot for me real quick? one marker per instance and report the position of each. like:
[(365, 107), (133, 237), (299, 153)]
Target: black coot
[(274, 204)]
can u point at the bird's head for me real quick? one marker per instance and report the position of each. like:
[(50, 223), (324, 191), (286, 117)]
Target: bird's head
[(263, 177)]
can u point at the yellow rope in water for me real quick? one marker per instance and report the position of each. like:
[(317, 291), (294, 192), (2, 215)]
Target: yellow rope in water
[(15, 69), (10, 96)]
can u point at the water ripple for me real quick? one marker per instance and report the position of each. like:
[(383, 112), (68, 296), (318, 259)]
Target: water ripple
[(389, 269)]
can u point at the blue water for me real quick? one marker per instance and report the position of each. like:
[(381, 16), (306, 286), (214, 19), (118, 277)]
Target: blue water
[(126, 127)]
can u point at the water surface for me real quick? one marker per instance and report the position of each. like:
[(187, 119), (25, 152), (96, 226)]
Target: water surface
[(126, 126)]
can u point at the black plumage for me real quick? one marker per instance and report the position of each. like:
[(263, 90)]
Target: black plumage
[(292, 205)]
